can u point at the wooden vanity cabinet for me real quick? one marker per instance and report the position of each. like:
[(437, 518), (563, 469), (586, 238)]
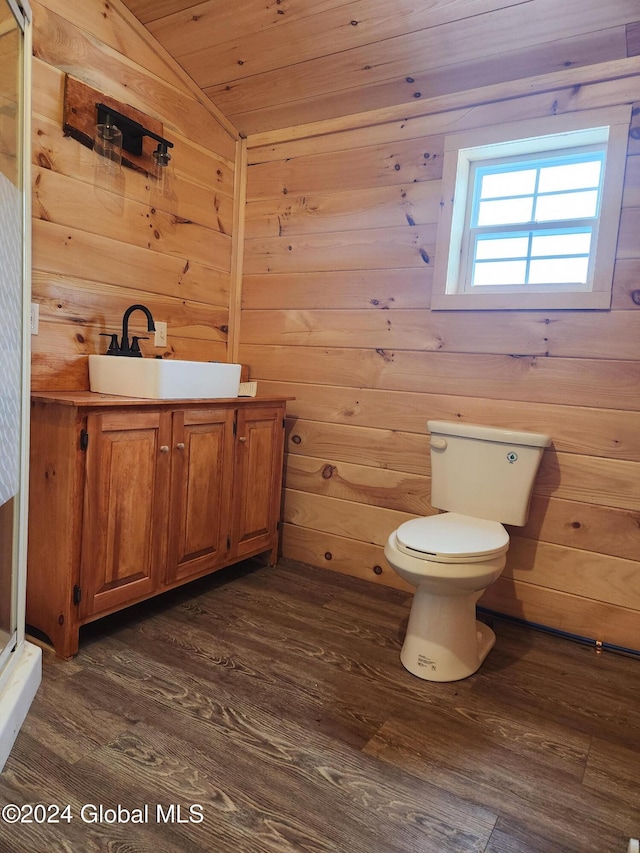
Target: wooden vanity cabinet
[(258, 493), (129, 498), (126, 483), (202, 480)]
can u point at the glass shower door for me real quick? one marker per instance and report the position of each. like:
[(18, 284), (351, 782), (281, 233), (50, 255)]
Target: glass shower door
[(11, 315)]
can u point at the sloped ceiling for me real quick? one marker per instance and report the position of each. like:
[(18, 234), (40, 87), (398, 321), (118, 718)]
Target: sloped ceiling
[(271, 64)]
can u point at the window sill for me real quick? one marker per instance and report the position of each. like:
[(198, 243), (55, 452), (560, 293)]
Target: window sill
[(594, 300)]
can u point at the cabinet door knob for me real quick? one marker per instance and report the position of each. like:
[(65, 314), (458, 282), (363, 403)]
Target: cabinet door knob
[(242, 438), (164, 448), (180, 445)]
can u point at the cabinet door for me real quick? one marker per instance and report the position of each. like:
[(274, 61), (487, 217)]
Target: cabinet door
[(125, 504), (201, 486), (258, 479)]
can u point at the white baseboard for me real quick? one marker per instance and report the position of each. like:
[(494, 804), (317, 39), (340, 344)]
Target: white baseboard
[(17, 695)]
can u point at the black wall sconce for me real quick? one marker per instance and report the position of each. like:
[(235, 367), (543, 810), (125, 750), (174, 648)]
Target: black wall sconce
[(120, 135), (133, 133)]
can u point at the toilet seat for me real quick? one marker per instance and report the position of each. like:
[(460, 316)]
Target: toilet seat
[(452, 538)]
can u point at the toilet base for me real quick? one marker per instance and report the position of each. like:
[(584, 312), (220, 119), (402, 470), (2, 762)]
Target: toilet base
[(444, 641)]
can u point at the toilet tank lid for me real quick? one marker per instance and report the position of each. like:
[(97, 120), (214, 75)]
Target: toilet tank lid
[(450, 535), (485, 433)]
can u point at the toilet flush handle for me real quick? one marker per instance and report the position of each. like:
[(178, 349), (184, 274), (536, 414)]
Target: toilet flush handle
[(438, 443)]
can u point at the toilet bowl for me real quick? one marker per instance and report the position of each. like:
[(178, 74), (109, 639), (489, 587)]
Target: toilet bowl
[(451, 559), (482, 477)]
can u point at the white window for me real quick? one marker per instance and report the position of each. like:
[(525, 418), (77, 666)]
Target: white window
[(531, 221)]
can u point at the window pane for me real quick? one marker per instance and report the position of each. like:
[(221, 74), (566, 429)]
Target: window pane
[(571, 176), (558, 271), (505, 212), (502, 247), (499, 272), (580, 205), (561, 244), (518, 182)]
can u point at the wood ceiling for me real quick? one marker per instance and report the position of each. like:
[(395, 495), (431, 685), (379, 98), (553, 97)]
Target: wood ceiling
[(270, 64)]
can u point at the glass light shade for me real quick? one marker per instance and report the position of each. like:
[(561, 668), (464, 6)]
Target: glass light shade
[(161, 174), (107, 149)]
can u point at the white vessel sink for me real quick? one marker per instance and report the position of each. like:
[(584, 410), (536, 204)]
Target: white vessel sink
[(162, 379)]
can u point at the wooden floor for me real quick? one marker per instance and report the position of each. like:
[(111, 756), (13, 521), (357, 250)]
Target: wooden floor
[(276, 701)]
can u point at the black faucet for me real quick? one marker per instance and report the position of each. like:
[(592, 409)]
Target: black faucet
[(124, 347)]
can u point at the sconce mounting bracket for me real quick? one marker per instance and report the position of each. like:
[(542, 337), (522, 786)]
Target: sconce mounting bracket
[(80, 116), (132, 131)]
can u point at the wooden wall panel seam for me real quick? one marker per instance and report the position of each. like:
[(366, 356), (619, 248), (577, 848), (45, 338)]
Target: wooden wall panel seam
[(571, 77), (372, 524), (58, 42), (112, 249), (238, 249), (131, 22)]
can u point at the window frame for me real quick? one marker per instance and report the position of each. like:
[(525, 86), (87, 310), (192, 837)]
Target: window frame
[(476, 232), (529, 138)]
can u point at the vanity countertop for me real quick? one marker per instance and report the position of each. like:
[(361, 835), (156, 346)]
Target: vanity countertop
[(92, 399)]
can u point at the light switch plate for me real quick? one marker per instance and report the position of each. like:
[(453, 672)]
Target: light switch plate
[(35, 317), (161, 334)]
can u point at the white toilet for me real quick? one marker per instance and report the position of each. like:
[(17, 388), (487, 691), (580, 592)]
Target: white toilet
[(482, 476)]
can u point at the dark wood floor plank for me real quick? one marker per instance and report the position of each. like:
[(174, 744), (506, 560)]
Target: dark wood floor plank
[(616, 770), (233, 722), (76, 729), (37, 775), (247, 670), (384, 603), (502, 841), (514, 783), (285, 807), (597, 694), (276, 697), (153, 761), (478, 731)]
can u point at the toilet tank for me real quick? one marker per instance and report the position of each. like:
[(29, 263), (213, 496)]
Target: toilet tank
[(483, 471)]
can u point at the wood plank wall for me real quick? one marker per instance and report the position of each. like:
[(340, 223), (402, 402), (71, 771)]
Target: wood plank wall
[(339, 252), (99, 248), (285, 64)]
